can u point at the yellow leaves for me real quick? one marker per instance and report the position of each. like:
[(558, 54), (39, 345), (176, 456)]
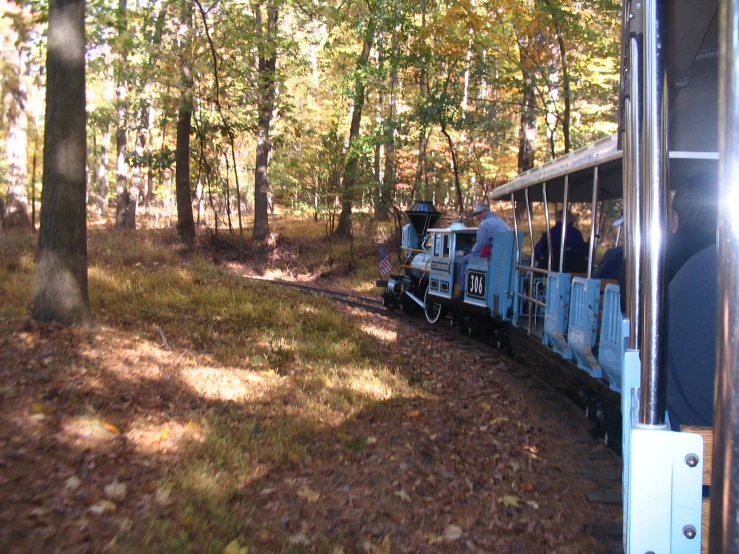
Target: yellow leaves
[(403, 495), (485, 406), (382, 548), (41, 408), (509, 500), (500, 419), (413, 413), (264, 535), (110, 427), (432, 538), (103, 506), (234, 547), (309, 494)]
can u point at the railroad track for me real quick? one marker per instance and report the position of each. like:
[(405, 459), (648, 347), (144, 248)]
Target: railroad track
[(549, 380)]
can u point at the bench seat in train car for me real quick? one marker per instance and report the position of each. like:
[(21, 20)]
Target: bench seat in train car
[(582, 331), (614, 337), (447, 248), (557, 313), (489, 281)]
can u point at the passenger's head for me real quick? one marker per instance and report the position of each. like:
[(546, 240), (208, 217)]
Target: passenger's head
[(481, 210), (570, 217), (695, 203)]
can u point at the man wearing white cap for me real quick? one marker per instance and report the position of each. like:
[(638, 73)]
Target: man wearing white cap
[(487, 225)]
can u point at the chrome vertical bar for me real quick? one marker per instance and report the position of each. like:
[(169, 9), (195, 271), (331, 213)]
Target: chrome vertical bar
[(632, 186), (724, 534), (593, 211), (654, 214), (548, 232), (516, 298), (564, 225), (532, 306)]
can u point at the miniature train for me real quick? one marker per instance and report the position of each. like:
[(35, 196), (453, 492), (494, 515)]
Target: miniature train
[(679, 72)]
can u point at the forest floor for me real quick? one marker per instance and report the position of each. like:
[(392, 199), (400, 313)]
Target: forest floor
[(208, 413)]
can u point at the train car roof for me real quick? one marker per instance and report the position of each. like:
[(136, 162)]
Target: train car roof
[(578, 165)]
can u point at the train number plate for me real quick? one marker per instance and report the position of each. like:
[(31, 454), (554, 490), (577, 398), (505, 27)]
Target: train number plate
[(440, 266), (476, 284)]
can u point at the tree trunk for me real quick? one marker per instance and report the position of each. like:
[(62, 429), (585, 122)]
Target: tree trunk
[(565, 75), (424, 134), (16, 147), (267, 66), (185, 220), (99, 195), (388, 182), (61, 292), (343, 229), (455, 169), (125, 207), (527, 133)]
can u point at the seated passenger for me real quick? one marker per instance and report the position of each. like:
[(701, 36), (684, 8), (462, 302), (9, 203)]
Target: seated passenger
[(575, 260), (611, 263), (693, 220), (487, 225), (691, 340), (613, 259)]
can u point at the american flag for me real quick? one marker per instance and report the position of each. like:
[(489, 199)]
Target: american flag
[(385, 265)]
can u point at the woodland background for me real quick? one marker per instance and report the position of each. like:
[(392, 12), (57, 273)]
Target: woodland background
[(336, 109)]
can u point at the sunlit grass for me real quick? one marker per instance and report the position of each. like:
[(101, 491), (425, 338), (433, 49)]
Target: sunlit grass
[(271, 371)]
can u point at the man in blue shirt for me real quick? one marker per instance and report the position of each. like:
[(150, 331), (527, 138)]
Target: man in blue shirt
[(488, 224)]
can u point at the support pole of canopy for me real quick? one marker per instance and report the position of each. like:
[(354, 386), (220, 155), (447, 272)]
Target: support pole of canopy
[(724, 534), (654, 214), (632, 173)]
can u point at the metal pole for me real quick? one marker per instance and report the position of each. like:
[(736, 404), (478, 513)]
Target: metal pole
[(593, 210), (564, 225), (532, 307), (548, 235), (654, 214), (515, 228), (724, 534), (632, 182)]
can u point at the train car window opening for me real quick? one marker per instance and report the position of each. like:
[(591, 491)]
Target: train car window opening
[(437, 245), (447, 247)]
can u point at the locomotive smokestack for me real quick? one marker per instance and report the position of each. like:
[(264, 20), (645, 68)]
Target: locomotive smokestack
[(422, 215)]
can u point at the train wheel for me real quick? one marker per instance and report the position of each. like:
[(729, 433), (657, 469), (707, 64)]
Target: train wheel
[(431, 309)]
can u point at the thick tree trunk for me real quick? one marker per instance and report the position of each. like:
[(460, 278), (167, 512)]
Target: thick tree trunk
[(343, 229), (16, 147), (267, 66), (185, 220), (61, 292)]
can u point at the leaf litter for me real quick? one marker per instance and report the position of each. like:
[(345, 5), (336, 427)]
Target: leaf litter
[(104, 434)]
